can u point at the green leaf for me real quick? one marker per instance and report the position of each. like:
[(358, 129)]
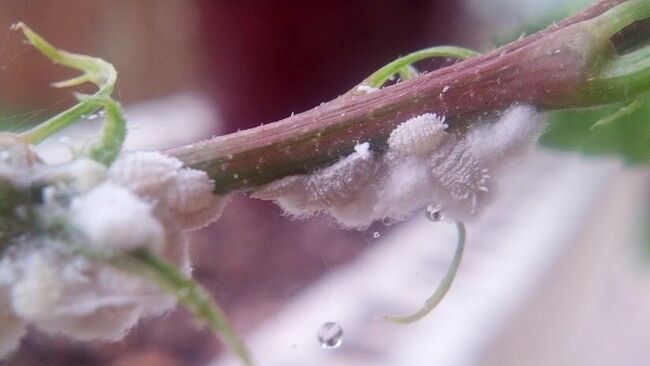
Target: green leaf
[(627, 136)]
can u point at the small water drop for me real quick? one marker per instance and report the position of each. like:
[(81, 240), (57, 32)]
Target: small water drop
[(434, 213), (376, 234), (330, 335)]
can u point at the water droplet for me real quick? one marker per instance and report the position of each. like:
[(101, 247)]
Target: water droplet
[(376, 234), (330, 335), (434, 213), (93, 116)]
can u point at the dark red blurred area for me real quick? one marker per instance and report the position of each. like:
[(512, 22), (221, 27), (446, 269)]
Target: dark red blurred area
[(267, 59)]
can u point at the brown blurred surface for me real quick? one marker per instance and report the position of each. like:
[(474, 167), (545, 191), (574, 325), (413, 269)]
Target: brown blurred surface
[(152, 43)]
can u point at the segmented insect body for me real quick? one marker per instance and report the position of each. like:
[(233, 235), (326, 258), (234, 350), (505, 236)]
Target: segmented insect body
[(418, 135)]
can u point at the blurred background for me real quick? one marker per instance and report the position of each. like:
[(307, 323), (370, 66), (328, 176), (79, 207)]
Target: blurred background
[(556, 272)]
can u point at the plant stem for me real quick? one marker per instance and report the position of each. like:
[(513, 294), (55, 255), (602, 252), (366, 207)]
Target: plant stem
[(566, 65)]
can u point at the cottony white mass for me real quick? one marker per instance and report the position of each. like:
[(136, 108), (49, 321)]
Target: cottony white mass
[(424, 164), (144, 200)]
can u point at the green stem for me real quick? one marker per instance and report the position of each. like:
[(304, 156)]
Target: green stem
[(625, 76), (107, 149), (96, 70), (192, 296), (408, 72), (443, 287), (379, 77), (623, 15)]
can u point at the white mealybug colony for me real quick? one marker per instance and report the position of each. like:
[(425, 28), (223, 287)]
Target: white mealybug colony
[(144, 200), (424, 164)]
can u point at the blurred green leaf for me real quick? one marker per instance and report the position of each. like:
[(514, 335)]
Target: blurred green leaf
[(627, 137)]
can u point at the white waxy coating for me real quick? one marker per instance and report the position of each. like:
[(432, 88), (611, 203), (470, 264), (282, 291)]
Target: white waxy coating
[(112, 218), (424, 164), (145, 200)]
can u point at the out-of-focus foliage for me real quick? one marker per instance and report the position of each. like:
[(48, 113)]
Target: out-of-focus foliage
[(627, 137)]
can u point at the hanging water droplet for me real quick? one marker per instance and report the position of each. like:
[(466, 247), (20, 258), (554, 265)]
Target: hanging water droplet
[(376, 234), (434, 213), (330, 335)]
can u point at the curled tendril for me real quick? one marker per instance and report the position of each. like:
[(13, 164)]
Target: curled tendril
[(403, 66), (443, 287), (95, 70), (107, 149)]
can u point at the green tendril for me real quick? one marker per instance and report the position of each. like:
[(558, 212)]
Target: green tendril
[(191, 295), (403, 65), (107, 149), (95, 70), (443, 287)]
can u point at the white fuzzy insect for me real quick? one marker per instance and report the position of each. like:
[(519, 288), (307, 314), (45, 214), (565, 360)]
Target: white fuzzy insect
[(186, 194), (112, 218), (335, 185), (418, 135), (145, 173)]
